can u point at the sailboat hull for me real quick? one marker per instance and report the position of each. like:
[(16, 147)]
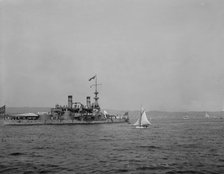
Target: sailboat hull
[(142, 122), (142, 127)]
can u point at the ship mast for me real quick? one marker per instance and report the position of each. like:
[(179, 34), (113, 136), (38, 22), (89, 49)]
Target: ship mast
[(96, 98), (96, 93)]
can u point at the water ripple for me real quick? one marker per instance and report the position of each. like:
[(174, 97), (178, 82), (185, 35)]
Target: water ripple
[(168, 147)]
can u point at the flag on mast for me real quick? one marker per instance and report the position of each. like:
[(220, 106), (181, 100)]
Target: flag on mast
[(92, 78)]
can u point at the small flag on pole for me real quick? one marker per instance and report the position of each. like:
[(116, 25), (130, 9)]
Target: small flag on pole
[(92, 78)]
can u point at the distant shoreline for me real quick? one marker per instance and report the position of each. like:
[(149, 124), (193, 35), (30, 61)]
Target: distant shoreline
[(132, 114)]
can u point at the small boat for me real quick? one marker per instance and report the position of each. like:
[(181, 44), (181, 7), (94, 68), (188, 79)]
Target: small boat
[(186, 117), (22, 119), (142, 121), (206, 115)]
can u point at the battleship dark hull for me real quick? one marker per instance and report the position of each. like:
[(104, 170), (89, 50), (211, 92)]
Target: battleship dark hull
[(73, 115), (58, 122)]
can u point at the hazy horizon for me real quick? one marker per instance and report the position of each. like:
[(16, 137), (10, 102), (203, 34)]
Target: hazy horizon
[(162, 55)]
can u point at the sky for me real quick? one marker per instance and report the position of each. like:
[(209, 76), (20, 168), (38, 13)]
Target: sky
[(160, 54)]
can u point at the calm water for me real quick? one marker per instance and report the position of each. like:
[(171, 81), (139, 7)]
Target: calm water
[(168, 146)]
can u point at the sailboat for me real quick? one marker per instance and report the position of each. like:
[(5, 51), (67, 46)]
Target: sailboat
[(186, 117), (142, 121), (206, 115)]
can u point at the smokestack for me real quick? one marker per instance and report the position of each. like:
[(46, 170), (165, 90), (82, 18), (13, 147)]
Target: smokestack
[(88, 102), (70, 101)]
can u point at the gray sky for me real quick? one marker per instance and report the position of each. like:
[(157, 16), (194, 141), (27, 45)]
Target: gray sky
[(162, 54)]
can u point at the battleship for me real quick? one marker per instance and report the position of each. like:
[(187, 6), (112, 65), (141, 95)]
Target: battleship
[(73, 113)]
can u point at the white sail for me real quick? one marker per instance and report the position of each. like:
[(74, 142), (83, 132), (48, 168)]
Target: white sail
[(144, 120), (137, 122), (206, 115)]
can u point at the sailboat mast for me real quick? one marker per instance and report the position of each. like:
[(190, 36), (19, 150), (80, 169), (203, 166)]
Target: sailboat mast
[(140, 119), (96, 92)]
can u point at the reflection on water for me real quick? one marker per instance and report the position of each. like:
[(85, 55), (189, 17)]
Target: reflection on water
[(168, 146)]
